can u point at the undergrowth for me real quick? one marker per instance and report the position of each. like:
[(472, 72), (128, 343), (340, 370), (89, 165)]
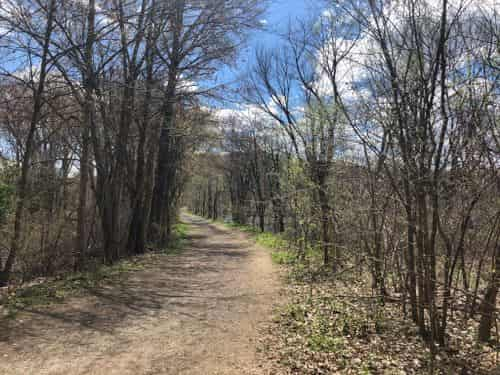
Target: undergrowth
[(282, 252), (333, 323), (52, 291), (179, 238)]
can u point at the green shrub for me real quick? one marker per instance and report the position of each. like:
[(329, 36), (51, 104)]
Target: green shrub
[(283, 257), (295, 312), (177, 241), (243, 227), (325, 343), (271, 240)]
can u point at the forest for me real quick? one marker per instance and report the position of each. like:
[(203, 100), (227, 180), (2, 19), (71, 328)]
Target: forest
[(365, 143)]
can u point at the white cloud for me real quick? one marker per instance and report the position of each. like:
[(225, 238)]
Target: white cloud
[(187, 86)]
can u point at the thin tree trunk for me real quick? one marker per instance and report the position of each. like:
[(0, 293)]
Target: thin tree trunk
[(88, 111), (488, 306), (22, 186)]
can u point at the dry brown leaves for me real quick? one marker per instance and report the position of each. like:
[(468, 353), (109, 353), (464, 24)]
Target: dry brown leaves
[(337, 327)]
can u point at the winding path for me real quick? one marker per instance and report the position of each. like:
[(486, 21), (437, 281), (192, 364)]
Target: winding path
[(197, 312)]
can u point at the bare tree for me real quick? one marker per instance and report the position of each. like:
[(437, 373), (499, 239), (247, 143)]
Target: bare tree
[(308, 68), (19, 22)]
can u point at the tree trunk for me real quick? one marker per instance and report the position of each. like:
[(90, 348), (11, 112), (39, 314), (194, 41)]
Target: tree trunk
[(487, 308), (160, 204), (325, 223), (88, 111), (22, 187), (140, 207)]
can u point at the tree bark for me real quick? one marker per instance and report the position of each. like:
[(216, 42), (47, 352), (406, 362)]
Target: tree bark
[(487, 308), (88, 114), (22, 186)]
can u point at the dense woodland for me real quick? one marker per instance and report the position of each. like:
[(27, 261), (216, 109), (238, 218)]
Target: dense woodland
[(99, 112), (369, 139)]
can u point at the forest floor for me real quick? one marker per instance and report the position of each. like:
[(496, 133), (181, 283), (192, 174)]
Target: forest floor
[(198, 311)]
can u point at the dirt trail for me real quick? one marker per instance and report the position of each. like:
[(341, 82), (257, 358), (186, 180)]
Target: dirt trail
[(197, 312)]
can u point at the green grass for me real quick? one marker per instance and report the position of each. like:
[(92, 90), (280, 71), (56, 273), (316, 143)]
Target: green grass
[(242, 227), (283, 257), (281, 248), (322, 342), (179, 238), (271, 240), (285, 252)]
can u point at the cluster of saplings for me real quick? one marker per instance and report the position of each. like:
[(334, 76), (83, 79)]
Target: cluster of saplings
[(371, 135)]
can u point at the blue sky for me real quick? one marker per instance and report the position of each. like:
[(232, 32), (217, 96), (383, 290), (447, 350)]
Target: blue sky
[(276, 19), (278, 15)]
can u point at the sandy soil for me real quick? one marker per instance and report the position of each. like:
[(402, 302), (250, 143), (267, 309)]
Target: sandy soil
[(197, 312)]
